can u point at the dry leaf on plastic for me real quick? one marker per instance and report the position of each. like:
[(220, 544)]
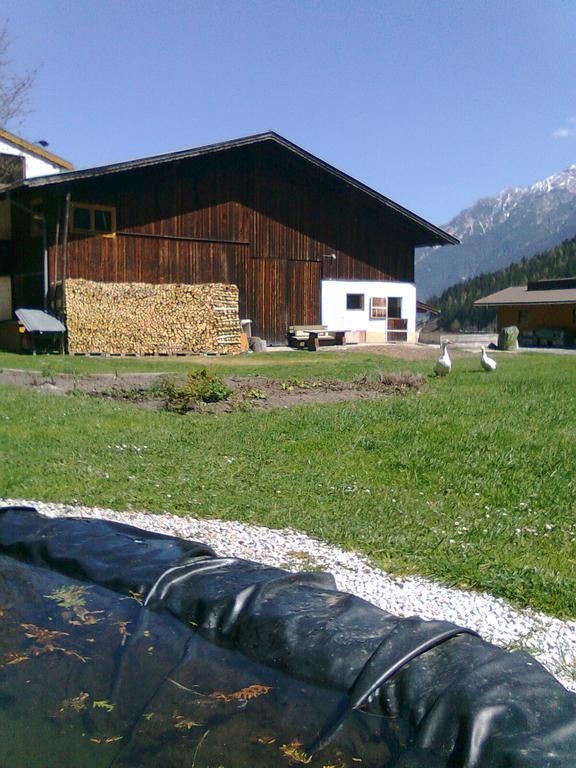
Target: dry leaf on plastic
[(293, 752), (77, 704), (245, 694), (184, 724)]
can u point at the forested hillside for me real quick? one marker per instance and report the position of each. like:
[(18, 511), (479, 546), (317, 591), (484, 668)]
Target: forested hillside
[(455, 303)]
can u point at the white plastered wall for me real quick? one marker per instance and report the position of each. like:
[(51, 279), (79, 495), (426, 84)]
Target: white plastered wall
[(338, 318)]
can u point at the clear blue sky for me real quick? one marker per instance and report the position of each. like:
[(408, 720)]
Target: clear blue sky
[(434, 103)]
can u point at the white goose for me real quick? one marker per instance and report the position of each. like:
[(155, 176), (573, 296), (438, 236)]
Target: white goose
[(487, 362), (443, 365)]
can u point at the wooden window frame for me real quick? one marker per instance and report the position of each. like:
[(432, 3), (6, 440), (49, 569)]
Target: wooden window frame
[(92, 207), (378, 311)]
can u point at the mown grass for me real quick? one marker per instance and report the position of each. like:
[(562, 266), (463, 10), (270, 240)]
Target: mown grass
[(340, 365), (472, 483)]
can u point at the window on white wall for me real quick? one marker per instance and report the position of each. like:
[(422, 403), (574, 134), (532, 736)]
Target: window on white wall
[(354, 301), (11, 168), (394, 306), (378, 308)]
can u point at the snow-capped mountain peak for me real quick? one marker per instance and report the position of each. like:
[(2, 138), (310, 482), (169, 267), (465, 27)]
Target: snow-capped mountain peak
[(495, 231)]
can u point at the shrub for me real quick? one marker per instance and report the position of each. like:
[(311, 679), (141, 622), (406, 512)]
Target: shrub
[(200, 387)]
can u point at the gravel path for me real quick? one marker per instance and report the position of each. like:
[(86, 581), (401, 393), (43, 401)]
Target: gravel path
[(551, 640)]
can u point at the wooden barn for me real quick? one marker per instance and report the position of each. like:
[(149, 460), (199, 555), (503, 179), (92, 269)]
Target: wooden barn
[(303, 242)]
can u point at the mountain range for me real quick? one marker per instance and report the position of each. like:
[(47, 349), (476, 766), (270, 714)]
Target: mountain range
[(497, 231)]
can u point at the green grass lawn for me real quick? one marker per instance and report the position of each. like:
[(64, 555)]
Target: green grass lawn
[(472, 483), (340, 365)]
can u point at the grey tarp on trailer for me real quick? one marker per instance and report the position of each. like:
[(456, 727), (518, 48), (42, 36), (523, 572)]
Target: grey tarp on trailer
[(38, 321)]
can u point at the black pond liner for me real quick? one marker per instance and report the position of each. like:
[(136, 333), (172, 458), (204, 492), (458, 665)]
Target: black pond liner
[(122, 647)]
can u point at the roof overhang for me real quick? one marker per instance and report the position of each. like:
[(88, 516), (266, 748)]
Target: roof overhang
[(428, 233), (422, 306), (519, 295)]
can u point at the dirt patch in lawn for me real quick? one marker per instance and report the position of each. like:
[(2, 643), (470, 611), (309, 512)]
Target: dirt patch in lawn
[(161, 392), (412, 352)]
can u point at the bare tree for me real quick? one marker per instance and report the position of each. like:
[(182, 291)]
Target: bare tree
[(14, 94), (14, 88)]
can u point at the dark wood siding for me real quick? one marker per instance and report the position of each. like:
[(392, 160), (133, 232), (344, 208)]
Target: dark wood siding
[(262, 219), (25, 263)]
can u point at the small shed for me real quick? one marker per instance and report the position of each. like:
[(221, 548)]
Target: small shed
[(33, 331), (544, 311)]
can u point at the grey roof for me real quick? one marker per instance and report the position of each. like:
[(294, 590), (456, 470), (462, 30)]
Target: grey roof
[(435, 235), (519, 294), (37, 320), (422, 306)]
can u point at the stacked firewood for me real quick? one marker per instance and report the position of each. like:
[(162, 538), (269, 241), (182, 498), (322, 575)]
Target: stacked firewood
[(143, 319)]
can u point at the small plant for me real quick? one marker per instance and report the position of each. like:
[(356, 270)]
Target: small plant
[(244, 398), (201, 387), (256, 394), (206, 387), (47, 373), (292, 384)]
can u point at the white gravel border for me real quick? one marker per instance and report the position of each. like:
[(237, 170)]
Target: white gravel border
[(551, 640)]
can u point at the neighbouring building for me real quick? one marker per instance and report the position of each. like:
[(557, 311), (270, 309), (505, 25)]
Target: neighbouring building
[(303, 242), (544, 311), (19, 160)]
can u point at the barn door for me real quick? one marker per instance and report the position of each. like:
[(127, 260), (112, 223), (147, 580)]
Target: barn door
[(281, 293), (304, 283), (267, 298)]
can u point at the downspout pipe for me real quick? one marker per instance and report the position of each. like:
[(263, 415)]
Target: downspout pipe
[(65, 251), (45, 264)]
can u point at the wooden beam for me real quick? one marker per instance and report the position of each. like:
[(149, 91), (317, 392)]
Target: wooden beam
[(183, 237)]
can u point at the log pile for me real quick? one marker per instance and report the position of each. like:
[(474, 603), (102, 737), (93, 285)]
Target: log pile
[(147, 319)]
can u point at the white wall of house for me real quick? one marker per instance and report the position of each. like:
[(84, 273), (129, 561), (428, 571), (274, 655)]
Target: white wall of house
[(338, 318), (35, 166)]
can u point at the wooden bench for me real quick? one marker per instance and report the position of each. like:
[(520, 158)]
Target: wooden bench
[(313, 336)]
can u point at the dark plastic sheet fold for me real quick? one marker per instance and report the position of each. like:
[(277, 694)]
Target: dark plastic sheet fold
[(361, 685)]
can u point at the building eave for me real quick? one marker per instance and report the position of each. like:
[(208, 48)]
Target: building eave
[(520, 296)]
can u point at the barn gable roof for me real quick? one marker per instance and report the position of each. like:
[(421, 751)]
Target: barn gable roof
[(521, 295), (429, 234)]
